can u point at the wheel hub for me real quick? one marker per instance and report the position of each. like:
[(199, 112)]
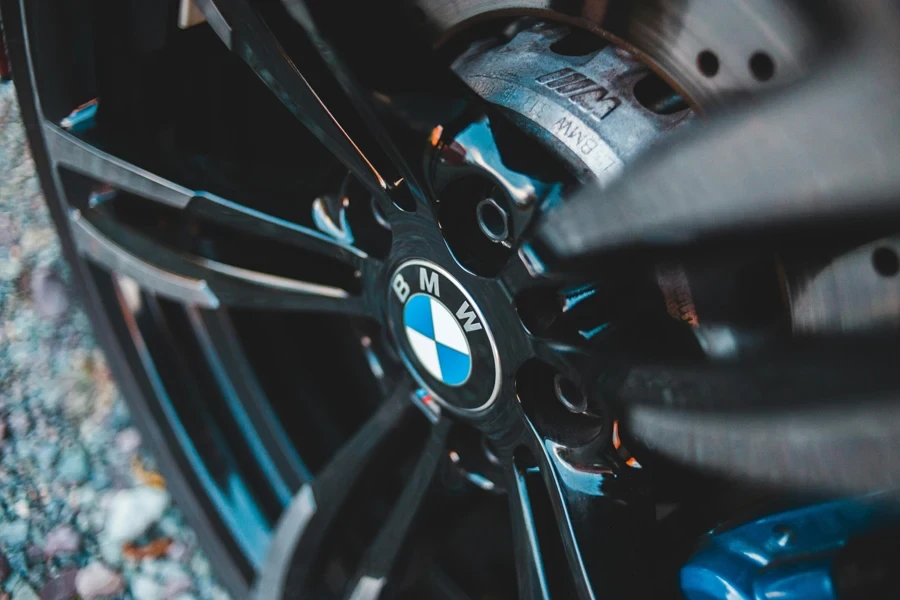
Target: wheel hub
[(443, 336)]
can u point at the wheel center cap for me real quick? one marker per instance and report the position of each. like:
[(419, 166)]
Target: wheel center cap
[(443, 336)]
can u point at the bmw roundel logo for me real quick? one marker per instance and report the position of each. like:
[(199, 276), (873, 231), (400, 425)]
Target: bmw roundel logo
[(437, 340), (444, 336)]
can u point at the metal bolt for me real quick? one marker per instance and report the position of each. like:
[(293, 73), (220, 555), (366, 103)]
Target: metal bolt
[(569, 394), (784, 536), (492, 220)]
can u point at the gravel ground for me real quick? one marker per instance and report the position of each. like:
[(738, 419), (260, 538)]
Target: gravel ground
[(83, 512)]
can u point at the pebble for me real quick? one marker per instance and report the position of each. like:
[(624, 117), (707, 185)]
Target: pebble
[(23, 591), (45, 456), (14, 534), (17, 562), (97, 581), (200, 565), (4, 568), (144, 588), (18, 422), (22, 509), (177, 586), (48, 293), (218, 593), (61, 417), (61, 587), (178, 551), (111, 552), (72, 467), (133, 511), (128, 441), (62, 540)]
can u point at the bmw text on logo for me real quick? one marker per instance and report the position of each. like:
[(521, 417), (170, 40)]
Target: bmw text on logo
[(444, 335)]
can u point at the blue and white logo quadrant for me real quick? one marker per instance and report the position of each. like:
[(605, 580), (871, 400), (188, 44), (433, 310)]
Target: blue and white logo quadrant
[(437, 339)]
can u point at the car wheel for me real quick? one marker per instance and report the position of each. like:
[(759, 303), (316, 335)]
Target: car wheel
[(488, 298)]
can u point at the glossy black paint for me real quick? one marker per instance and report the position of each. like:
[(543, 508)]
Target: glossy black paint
[(582, 518)]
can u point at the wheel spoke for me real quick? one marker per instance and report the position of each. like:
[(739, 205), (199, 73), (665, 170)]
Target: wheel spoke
[(601, 517), (248, 403), (390, 106), (197, 280), (380, 557), (73, 153), (303, 527), (327, 495), (577, 527), (69, 151), (530, 575), (245, 33), (817, 154)]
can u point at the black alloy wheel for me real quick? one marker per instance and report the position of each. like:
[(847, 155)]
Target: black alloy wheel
[(392, 333)]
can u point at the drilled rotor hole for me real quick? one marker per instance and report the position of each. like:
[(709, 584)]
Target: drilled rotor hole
[(657, 96), (885, 261), (578, 43), (708, 63), (762, 66)]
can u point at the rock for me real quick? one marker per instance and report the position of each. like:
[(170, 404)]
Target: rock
[(4, 568), (97, 581), (23, 591), (128, 441), (34, 552), (48, 294), (120, 418), (132, 512), (170, 570), (144, 588), (219, 594), (170, 526), (111, 552), (18, 422), (45, 456), (185, 597), (14, 534), (61, 587), (100, 480), (18, 562), (175, 579), (177, 587), (22, 509), (62, 540), (200, 565), (73, 467), (178, 551)]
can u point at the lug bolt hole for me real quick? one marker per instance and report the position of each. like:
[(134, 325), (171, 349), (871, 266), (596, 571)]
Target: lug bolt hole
[(492, 220), (569, 394)]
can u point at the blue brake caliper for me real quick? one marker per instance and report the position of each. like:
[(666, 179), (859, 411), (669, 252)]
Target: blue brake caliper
[(785, 556)]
